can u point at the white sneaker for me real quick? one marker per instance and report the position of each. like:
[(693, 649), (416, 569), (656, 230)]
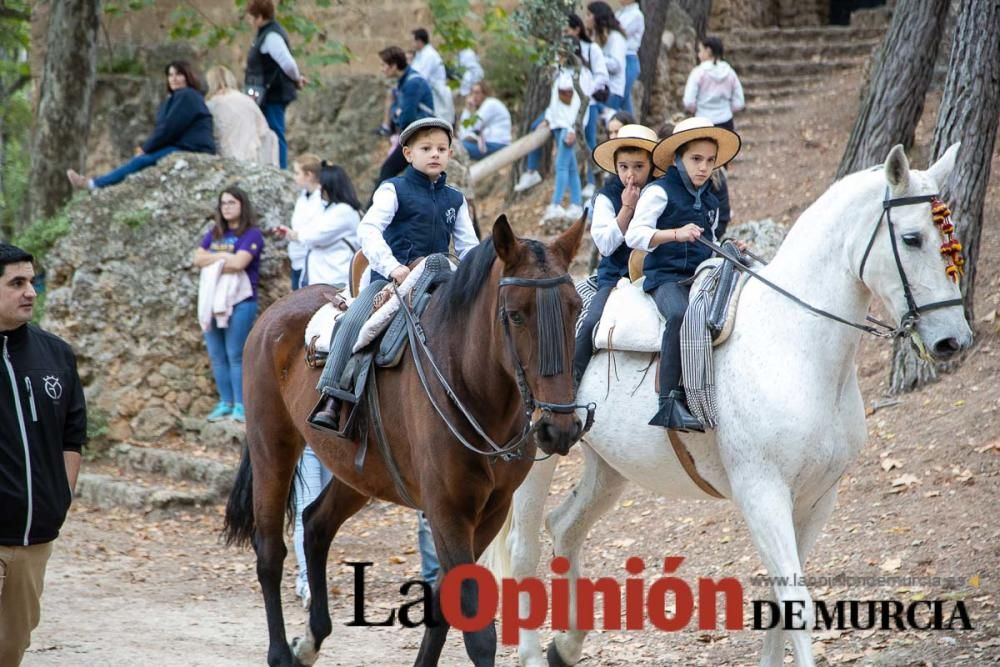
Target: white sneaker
[(529, 179), (553, 212), (588, 191), (574, 212)]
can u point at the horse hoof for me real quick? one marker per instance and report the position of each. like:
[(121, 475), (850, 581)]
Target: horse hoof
[(555, 660), (303, 652)]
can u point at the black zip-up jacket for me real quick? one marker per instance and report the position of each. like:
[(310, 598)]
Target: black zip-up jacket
[(42, 415)]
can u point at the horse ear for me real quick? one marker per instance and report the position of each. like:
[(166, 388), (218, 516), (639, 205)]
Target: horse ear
[(505, 241), (897, 170), (568, 243), (941, 170)]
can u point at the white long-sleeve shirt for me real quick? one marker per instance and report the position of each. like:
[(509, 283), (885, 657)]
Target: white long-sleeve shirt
[(492, 120), (713, 91), (307, 208), (276, 47), (428, 62), (652, 202), (472, 71), (380, 216), (593, 71), (634, 24), (614, 58), (330, 241), (604, 228), (562, 116)]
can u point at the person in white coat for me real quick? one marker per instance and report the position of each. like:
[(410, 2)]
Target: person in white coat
[(713, 90), (428, 63), (305, 169), (634, 24), (603, 27)]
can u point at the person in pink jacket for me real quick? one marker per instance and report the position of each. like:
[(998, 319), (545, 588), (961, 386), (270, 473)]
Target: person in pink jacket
[(713, 90)]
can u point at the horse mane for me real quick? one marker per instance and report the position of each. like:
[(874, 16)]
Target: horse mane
[(462, 288)]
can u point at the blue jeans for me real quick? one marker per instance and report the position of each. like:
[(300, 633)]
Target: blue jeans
[(567, 172), (632, 72), (138, 163), (535, 156), (225, 351), (473, 147), (429, 566), (275, 115), (309, 483), (296, 279), (590, 132)]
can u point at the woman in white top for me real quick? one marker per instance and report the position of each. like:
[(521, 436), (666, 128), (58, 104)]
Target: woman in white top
[(240, 129), (332, 238), (605, 30), (634, 24), (484, 127), (713, 90), (308, 206)]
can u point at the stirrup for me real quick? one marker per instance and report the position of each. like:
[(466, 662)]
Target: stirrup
[(675, 416), (325, 416)]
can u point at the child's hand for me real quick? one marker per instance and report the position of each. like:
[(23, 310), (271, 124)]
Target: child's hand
[(399, 274), (688, 232), (630, 195)]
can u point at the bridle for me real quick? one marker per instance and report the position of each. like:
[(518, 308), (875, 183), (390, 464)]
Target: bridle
[(551, 353), (907, 323)]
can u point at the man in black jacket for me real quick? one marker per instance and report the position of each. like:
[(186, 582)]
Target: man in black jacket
[(43, 426)]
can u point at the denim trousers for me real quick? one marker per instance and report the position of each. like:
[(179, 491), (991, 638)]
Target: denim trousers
[(310, 481), (225, 351), (671, 300), (590, 131), (138, 163), (584, 339), (274, 113), (472, 147), (567, 172), (632, 71), (429, 566), (296, 279), (534, 157)]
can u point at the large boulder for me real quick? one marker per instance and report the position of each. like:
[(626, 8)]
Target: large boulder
[(122, 290)]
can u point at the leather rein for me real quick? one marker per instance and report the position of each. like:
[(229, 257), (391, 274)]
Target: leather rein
[(514, 448), (907, 322)]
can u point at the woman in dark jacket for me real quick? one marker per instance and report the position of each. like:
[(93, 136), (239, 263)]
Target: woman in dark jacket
[(183, 123)]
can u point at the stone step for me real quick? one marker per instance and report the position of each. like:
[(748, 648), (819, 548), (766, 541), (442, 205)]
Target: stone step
[(107, 490), (807, 52), (767, 108), (746, 37), (763, 81), (767, 94), (174, 465), (789, 69)]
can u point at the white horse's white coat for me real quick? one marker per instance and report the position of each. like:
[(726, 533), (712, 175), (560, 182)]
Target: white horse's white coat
[(791, 417)]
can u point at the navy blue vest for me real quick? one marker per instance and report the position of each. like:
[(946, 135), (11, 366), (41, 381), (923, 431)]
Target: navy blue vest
[(425, 216), (263, 70), (677, 261), (613, 267)]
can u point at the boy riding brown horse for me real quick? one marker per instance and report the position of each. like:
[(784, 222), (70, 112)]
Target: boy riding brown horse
[(499, 333)]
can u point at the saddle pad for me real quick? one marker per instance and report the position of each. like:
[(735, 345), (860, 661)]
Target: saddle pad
[(703, 273), (321, 325), (631, 321)]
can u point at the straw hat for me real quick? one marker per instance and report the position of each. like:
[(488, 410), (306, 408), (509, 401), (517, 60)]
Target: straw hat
[(634, 136), (691, 129)]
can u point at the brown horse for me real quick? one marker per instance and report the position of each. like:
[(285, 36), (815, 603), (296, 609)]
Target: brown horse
[(501, 333)]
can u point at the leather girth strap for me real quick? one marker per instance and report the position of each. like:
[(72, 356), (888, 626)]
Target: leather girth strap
[(687, 462)]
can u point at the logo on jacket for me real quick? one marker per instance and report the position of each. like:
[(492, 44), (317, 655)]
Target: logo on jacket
[(52, 387), (449, 216)]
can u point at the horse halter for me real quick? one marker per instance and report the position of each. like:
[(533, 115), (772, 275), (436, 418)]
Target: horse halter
[(909, 320), (550, 332)]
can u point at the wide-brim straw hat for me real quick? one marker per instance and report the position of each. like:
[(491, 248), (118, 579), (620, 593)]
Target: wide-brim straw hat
[(629, 136), (692, 129)]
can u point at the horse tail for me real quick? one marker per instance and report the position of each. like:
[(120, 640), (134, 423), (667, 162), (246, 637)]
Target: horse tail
[(497, 557), (239, 524)]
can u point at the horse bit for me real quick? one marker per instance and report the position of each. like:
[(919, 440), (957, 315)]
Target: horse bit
[(550, 329)]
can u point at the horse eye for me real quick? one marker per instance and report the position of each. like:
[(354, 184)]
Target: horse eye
[(913, 239), (517, 319)]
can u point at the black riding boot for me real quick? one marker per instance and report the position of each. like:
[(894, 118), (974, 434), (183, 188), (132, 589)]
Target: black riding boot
[(674, 414), (327, 417)]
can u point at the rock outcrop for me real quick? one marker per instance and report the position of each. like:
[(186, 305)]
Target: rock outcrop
[(122, 290)]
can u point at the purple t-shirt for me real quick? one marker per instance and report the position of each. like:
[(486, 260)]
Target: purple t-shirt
[(252, 241)]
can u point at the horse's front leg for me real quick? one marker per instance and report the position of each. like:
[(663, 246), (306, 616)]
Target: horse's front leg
[(269, 545), (767, 508)]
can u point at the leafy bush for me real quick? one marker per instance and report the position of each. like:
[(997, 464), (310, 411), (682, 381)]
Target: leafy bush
[(39, 237)]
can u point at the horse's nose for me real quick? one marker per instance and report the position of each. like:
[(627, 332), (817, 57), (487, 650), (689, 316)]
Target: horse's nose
[(946, 348), (554, 438)]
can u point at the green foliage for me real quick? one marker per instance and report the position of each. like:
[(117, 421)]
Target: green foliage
[(133, 218), (15, 121), (15, 42), (97, 431), (39, 237), (38, 310), (122, 63), (451, 29)]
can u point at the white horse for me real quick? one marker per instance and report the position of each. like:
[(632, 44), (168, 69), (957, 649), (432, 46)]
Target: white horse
[(791, 417)]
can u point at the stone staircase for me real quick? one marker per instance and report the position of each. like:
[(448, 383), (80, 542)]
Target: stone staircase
[(778, 65)]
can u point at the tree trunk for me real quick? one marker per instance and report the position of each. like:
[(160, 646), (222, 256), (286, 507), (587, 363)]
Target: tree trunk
[(968, 114), (535, 101), (65, 101), (698, 10), (655, 14), (901, 73)]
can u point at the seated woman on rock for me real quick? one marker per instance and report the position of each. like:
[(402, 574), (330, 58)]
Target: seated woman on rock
[(183, 123), (241, 131), (484, 127), (670, 215)]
